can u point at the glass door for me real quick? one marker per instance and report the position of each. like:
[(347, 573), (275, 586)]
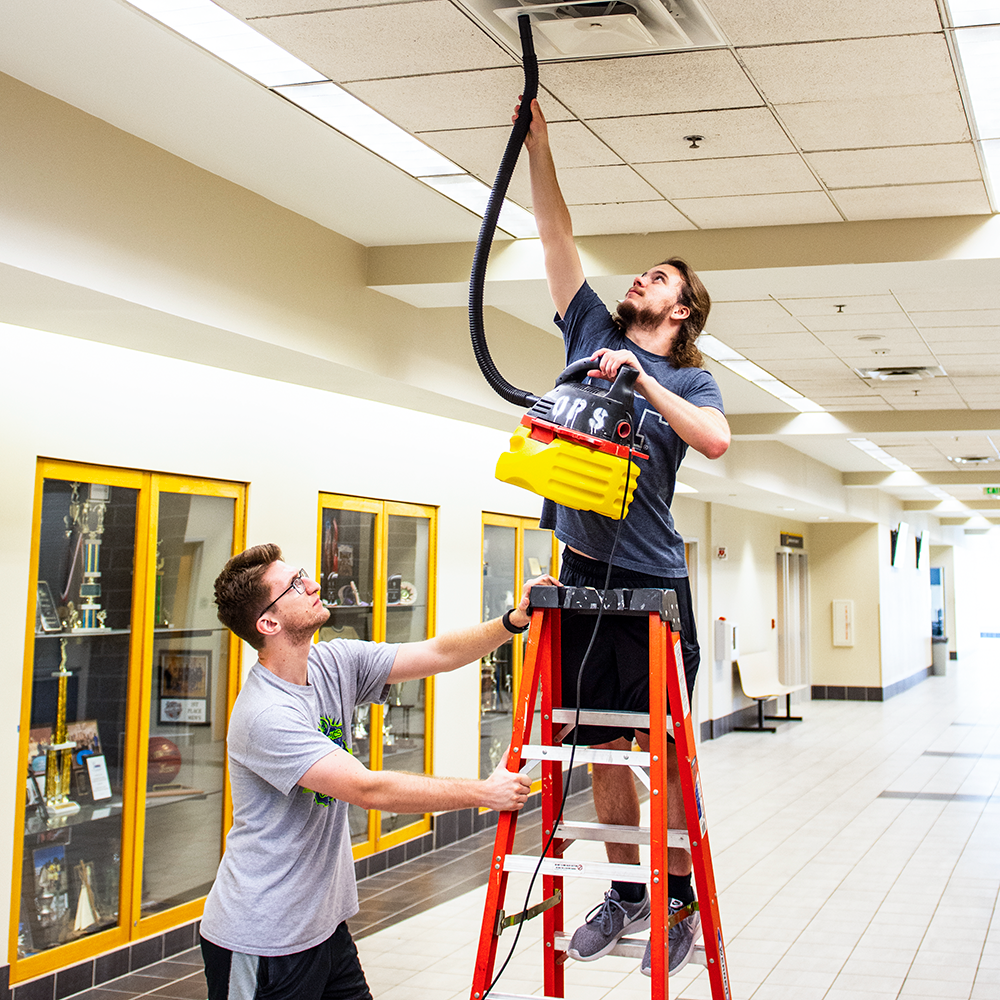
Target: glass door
[(128, 683), (377, 574), (515, 550), (189, 695)]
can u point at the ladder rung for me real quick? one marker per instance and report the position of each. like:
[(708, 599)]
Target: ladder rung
[(583, 755), (527, 863), (618, 834), (628, 947), (603, 717)]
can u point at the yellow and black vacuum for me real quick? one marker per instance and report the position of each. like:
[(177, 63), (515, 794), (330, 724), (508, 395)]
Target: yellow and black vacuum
[(575, 445)]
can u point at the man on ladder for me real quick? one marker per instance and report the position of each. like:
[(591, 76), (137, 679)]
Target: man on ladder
[(677, 405)]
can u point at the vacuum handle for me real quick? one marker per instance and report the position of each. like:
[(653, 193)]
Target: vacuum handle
[(576, 372), (621, 389)]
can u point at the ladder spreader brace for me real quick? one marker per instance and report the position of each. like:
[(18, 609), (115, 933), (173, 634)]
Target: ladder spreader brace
[(669, 711)]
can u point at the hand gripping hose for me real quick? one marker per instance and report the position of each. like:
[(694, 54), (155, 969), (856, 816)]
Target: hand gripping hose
[(519, 397)]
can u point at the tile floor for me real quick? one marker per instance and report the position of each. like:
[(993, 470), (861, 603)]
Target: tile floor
[(857, 856)]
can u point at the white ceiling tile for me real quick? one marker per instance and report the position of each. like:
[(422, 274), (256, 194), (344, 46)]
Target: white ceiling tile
[(803, 349), (852, 69), (271, 8), (897, 165), (759, 210), (859, 407), (631, 217), (651, 85), (394, 40), (841, 305), (924, 404), (658, 138), (875, 121), (898, 359), (763, 315), (914, 201), (480, 150), (957, 317), (856, 322), (832, 368), (752, 339), (448, 100), (957, 347), (597, 185), (739, 175), (772, 22), (983, 296)]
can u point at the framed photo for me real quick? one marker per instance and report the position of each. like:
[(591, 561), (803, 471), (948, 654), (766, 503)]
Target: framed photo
[(185, 687)]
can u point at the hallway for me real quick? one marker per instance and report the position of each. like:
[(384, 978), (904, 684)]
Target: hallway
[(855, 852)]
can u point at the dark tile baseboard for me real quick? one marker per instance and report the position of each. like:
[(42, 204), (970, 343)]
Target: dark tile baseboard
[(833, 692), (449, 828), (103, 968), (712, 729)]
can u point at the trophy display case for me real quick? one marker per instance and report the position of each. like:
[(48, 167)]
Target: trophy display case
[(377, 581), (515, 549), (129, 677)]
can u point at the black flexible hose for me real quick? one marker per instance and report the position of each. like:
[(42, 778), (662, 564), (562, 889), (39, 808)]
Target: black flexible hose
[(476, 280)]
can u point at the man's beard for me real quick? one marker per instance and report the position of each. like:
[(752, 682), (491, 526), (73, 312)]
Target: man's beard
[(635, 314)]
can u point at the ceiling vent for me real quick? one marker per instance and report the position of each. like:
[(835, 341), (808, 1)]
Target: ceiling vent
[(900, 373), (601, 29), (973, 459)]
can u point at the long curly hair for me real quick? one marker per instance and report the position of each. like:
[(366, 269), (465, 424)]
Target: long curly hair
[(683, 351)]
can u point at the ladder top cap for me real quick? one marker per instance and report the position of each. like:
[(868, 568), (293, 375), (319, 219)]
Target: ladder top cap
[(640, 601)]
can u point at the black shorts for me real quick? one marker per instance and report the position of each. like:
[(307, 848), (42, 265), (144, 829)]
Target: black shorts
[(329, 971), (616, 675)]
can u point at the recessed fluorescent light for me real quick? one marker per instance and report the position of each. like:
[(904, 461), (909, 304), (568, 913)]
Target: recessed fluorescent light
[(978, 48), (716, 349), (347, 114), (873, 450), (474, 194), (938, 493), (966, 12), (231, 39), (735, 362), (680, 487)]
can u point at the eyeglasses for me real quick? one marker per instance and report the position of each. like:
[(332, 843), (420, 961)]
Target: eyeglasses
[(297, 585)]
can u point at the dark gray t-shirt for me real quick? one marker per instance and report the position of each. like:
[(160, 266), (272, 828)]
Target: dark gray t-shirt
[(286, 880), (649, 542)]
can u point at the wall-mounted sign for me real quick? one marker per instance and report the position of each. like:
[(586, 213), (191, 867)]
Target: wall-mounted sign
[(791, 541), (721, 552), (991, 491)]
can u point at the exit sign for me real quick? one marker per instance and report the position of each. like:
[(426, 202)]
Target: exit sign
[(992, 491)]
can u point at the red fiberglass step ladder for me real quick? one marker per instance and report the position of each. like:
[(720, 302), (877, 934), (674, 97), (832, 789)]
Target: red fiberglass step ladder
[(667, 689)]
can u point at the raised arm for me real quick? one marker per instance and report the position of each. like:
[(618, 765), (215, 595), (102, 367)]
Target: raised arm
[(555, 227), (344, 777), (455, 649)]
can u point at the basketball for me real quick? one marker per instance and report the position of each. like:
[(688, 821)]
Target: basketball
[(164, 761)]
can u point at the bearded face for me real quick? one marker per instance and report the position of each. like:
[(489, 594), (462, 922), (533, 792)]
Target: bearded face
[(639, 314)]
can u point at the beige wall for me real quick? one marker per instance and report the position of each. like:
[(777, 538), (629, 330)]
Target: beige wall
[(843, 564)]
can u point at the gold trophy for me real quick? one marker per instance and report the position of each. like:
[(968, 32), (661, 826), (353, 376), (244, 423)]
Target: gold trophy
[(87, 517), (59, 753)]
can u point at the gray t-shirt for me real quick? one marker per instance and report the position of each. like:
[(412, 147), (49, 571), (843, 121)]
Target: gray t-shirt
[(286, 880), (649, 542)]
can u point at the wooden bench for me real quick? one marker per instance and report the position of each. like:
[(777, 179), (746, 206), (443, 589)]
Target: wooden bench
[(759, 680)]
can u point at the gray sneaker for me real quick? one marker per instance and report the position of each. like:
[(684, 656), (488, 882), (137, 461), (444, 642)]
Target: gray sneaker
[(606, 923), (680, 939)]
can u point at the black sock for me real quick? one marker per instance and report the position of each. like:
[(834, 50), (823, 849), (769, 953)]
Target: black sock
[(679, 887), (629, 892)]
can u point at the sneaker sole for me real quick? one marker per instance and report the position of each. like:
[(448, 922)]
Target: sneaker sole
[(687, 958), (639, 924)]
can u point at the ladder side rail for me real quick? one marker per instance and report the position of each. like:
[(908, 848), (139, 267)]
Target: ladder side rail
[(503, 844), (658, 824), (694, 807), (552, 798)]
